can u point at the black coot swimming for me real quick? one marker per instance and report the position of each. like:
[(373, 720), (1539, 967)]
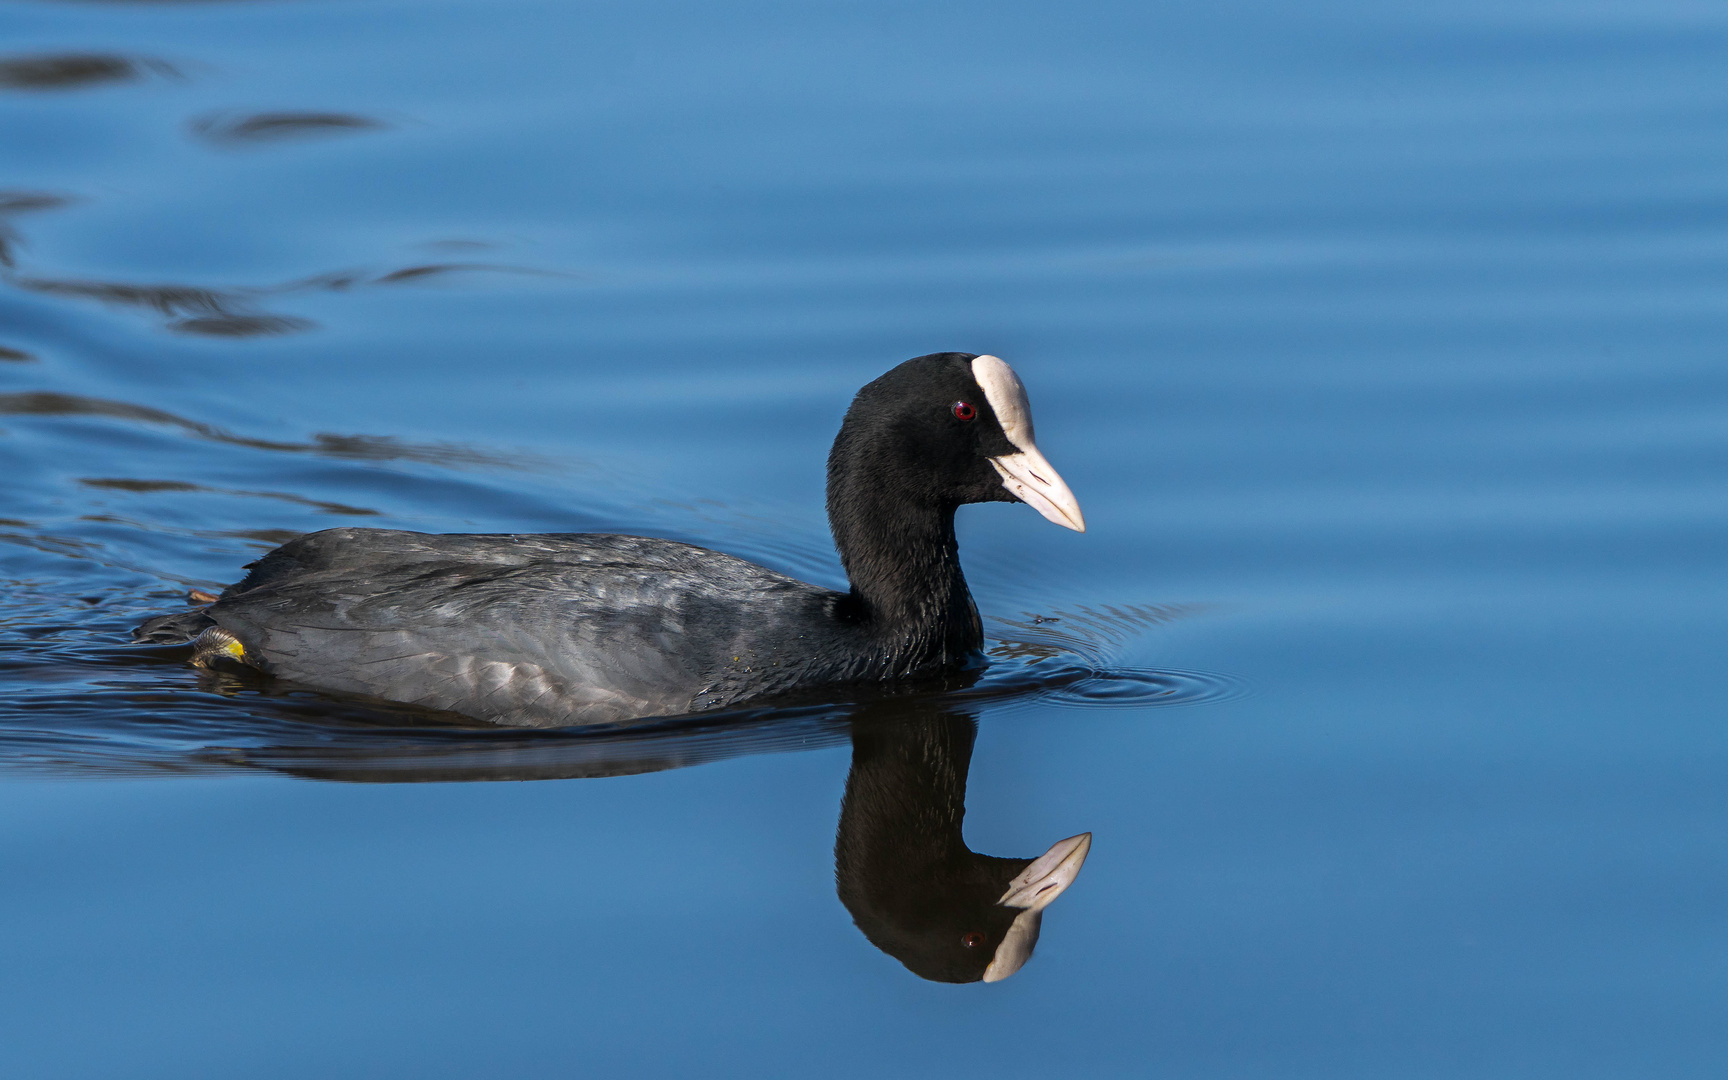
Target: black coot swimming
[(575, 628)]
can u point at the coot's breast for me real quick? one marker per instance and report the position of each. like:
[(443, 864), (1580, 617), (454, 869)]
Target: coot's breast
[(538, 630)]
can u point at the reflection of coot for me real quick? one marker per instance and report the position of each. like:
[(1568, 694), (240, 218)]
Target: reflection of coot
[(901, 864), (904, 871), (567, 629)]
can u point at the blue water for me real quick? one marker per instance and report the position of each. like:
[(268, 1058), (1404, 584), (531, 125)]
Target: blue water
[(1383, 346)]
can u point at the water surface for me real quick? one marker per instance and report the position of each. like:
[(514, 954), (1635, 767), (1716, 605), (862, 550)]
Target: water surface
[(1382, 345)]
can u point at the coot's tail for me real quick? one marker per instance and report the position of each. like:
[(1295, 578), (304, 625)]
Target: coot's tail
[(177, 629)]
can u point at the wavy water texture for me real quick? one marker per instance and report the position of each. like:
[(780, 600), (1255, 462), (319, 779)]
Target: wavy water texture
[(360, 447), (234, 311)]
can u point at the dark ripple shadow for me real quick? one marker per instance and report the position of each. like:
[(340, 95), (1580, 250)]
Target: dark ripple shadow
[(231, 312), (191, 309), (241, 326), (162, 299), (23, 202), (148, 487), (139, 711), (442, 271), (231, 129), (13, 203), (352, 447), (77, 71)]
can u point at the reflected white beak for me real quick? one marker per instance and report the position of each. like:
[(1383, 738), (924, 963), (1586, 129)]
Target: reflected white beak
[(1048, 875), (1032, 891), (1036, 484)]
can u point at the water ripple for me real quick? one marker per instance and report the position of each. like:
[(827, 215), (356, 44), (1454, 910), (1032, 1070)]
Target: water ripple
[(228, 129), (90, 706), (72, 71), (1130, 688), (323, 444)]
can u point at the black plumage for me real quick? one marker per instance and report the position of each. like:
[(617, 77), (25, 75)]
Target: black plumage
[(559, 629)]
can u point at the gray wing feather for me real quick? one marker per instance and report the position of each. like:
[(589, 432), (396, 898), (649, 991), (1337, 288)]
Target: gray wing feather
[(535, 630)]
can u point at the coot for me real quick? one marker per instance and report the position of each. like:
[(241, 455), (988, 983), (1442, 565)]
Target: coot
[(575, 628)]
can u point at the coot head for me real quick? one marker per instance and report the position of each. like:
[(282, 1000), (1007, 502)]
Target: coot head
[(942, 430)]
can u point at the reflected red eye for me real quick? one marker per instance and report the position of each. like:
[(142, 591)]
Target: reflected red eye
[(973, 939), (964, 411)]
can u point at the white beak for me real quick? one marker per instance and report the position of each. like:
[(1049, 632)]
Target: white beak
[(1036, 484), (1024, 472)]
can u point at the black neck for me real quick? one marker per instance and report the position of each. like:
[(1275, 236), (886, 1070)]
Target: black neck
[(904, 564)]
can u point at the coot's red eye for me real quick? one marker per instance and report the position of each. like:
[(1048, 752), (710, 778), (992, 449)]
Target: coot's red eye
[(974, 939), (964, 411)]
